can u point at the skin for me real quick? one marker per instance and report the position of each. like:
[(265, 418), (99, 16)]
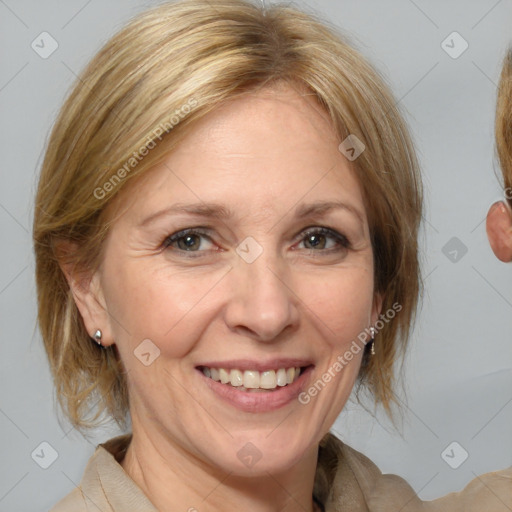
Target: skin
[(499, 230), (261, 156)]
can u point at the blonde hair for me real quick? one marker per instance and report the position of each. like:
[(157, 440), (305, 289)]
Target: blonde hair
[(192, 52), (503, 125)]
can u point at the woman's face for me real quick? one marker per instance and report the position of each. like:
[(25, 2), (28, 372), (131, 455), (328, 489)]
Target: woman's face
[(244, 255)]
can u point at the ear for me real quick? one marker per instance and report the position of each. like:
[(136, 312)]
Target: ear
[(87, 293), (499, 231), (377, 307)]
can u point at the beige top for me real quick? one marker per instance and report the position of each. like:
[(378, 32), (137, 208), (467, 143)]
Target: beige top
[(345, 480)]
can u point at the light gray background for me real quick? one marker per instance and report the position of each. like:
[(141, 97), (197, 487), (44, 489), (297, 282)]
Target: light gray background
[(458, 373)]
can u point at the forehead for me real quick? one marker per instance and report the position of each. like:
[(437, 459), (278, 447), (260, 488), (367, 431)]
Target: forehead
[(264, 125), (265, 150)]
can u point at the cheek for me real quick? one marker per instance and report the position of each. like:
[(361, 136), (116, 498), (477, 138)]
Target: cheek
[(342, 303), (169, 309)]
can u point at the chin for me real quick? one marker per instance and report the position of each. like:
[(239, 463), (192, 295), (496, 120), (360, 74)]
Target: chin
[(260, 453)]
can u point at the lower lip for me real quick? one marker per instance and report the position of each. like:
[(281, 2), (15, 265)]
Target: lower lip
[(259, 401)]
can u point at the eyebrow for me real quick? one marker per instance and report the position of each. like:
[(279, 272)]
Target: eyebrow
[(217, 211), (211, 210), (322, 208)]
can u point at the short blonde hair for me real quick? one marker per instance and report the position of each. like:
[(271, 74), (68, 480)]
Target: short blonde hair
[(203, 54), (503, 125)]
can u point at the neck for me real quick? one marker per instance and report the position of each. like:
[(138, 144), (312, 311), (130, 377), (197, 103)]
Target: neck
[(174, 479)]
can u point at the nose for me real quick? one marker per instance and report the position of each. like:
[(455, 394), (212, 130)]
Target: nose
[(262, 304)]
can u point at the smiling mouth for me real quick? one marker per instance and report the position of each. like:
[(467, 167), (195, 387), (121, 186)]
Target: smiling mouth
[(253, 380)]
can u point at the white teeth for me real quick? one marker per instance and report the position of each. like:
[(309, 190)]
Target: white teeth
[(237, 379), (224, 376), (281, 377), (268, 380), (253, 379)]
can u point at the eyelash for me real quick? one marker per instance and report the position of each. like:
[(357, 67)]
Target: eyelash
[(342, 242)]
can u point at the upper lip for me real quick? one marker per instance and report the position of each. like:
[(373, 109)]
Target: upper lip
[(261, 366)]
